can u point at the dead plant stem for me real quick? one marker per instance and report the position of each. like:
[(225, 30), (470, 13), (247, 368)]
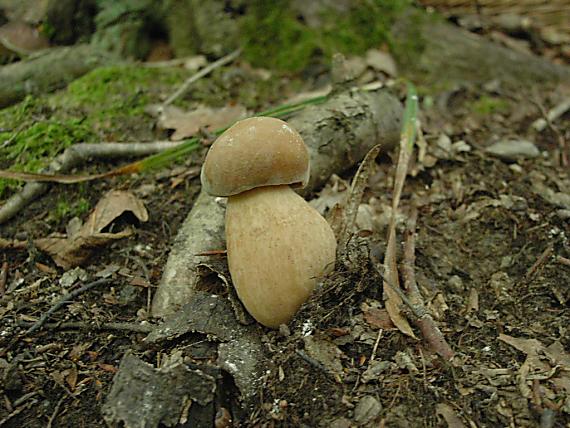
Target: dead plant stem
[(64, 300), (425, 323), (203, 72)]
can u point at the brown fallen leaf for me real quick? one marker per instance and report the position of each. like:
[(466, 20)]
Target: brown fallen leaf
[(378, 318), (74, 250), (535, 368), (186, 124), (111, 206), (449, 415)]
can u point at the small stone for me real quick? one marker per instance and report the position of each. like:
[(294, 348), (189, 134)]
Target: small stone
[(563, 214), (512, 150), (375, 369), (72, 276), (367, 409), (381, 61), (340, 423)]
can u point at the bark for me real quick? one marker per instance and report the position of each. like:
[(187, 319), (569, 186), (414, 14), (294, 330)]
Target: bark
[(49, 70), (441, 54), (338, 133)]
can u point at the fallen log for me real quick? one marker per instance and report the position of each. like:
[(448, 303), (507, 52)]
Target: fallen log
[(49, 70), (440, 54), (338, 134)]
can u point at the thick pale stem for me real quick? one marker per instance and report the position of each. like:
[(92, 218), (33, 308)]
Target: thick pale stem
[(278, 247)]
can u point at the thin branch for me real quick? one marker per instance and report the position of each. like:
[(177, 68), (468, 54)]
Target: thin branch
[(3, 277), (431, 333), (74, 156), (56, 411), (357, 188), (542, 259), (87, 325), (64, 300), (203, 72)]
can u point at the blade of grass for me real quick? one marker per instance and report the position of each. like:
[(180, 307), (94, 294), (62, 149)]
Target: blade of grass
[(392, 299)]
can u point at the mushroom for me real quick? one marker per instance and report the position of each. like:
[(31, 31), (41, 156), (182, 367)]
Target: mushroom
[(278, 245)]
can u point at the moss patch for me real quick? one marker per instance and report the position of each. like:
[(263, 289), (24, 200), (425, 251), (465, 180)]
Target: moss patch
[(65, 209), (104, 105), (486, 105), (276, 38)]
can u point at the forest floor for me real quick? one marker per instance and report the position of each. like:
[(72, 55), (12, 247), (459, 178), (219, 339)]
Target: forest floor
[(492, 261)]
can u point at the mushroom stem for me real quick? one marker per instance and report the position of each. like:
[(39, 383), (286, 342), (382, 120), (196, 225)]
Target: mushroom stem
[(278, 247)]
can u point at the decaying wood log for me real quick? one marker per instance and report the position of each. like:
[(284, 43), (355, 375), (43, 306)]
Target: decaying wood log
[(549, 15), (48, 70), (447, 54), (338, 133)]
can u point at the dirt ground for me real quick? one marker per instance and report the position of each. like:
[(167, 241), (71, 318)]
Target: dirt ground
[(492, 262)]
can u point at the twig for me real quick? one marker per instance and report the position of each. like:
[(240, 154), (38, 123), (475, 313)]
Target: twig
[(375, 348), (74, 156), (64, 300), (212, 253), (3, 278), (86, 325), (357, 188), (548, 118), (425, 323), (55, 411), (563, 260), (17, 412), (539, 262), (315, 363), (203, 72)]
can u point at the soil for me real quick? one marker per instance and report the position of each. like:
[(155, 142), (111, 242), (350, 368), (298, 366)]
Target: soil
[(492, 262)]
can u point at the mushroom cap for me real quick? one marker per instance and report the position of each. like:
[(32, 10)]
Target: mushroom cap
[(255, 152)]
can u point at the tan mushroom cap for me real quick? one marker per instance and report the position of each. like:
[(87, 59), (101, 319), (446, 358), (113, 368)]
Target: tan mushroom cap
[(255, 152)]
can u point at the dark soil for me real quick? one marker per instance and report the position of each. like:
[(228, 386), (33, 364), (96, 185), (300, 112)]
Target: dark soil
[(492, 259)]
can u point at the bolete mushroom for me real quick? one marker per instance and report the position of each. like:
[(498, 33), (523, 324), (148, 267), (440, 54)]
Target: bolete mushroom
[(278, 245)]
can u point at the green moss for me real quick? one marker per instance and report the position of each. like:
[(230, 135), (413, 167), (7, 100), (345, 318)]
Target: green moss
[(276, 38), (66, 208), (117, 92), (104, 105), (486, 105)]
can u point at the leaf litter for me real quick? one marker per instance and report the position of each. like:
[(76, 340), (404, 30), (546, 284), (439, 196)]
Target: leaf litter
[(82, 240), (465, 262)]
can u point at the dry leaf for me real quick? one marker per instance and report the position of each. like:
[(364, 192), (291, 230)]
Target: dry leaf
[(534, 368), (112, 205), (449, 415), (74, 250), (109, 368), (71, 377), (187, 124), (392, 299), (334, 193), (378, 318), (350, 208)]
